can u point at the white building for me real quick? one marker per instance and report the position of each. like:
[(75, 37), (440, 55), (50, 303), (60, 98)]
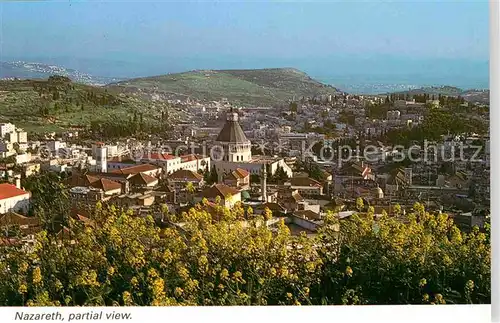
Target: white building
[(99, 152), (112, 151), (11, 137), (54, 145), (13, 199), (6, 128), (69, 152), (171, 163), (23, 158)]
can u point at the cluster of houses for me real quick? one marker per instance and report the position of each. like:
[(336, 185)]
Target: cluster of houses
[(142, 176)]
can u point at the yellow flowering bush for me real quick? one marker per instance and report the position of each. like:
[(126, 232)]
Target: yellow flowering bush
[(217, 260)]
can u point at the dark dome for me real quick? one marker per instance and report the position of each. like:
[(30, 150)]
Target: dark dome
[(232, 132)]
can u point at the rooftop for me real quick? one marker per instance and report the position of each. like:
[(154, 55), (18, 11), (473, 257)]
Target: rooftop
[(106, 184), (232, 132), (238, 173), (261, 159), (143, 179), (158, 156), (18, 219), (9, 190), (135, 169), (185, 175), (219, 190), (191, 157), (305, 181)]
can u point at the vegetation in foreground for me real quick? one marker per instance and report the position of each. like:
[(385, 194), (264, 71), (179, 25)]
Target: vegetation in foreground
[(119, 259)]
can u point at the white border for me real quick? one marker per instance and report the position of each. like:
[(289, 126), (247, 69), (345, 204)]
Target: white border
[(495, 156), (253, 314)]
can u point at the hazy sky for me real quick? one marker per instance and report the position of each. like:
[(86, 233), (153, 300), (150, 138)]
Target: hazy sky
[(246, 32)]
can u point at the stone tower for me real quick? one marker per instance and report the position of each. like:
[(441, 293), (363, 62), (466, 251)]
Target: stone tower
[(263, 183)]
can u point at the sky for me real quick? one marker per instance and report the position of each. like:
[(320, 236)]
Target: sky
[(325, 38)]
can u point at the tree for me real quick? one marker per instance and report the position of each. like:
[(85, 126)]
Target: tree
[(315, 172), (397, 209), (279, 176), (389, 262), (50, 200), (190, 190), (268, 214), (213, 177), (120, 259), (360, 204)]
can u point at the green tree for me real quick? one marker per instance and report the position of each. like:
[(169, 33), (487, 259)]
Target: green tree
[(190, 189), (360, 205), (213, 177), (397, 210), (117, 258)]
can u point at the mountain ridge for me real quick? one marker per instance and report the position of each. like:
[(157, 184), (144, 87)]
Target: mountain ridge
[(242, 86)]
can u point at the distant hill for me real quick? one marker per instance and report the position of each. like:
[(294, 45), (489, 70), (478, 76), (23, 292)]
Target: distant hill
[(479, 96), (57, 103), (246, 87)]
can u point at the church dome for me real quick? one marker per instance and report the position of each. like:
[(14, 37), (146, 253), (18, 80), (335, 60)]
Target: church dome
[(232, 132)]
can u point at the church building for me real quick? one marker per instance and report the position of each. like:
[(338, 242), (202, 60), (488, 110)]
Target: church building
[(232, 150)]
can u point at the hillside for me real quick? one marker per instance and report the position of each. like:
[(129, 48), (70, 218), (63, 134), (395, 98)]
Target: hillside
[(479, 96), (58, 103), (246, 87)]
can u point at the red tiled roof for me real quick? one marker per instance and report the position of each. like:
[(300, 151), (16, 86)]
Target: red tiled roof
[(135, 169), (142, 178), (236, 174), (91, 179), (106, 184), (187, 158), (241, 173), (18, 219), (221, 190), (8, 190), (158, 156), (304, 181), (185, 175)]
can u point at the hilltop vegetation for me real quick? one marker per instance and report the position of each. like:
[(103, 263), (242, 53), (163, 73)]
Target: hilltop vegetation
[(249, 87), (57, 103), (480, 96)]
